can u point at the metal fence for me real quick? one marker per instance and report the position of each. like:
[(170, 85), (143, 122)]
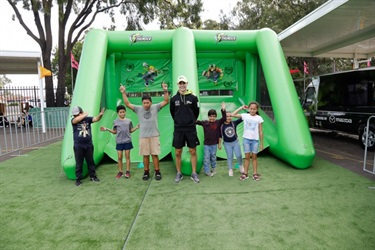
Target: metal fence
[(23, 130)]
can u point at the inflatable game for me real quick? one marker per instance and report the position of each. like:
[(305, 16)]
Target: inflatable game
[(221, 66)]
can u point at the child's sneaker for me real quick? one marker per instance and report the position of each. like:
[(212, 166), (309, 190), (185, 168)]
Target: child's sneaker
[(78, 183), (244, 177), (157, 175), (209, 174), (127, 174), (230, 172), (146, 175), (94, 179), (119, 175), (213, 171)]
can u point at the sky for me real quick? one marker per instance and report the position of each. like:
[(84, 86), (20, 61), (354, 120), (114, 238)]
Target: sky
[(16, 39)]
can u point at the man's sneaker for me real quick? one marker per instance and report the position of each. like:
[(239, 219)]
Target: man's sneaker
[(146, 176), (78, 183), (158, 176), (242, 169), (244, 177), (178, 178), (194, 177), (209, 174), (127, 174), (94, 179), (119, 175), (213, 171), (230, 172)]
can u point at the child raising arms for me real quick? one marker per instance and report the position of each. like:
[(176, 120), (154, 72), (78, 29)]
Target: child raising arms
[(122, 128), (231, 144), (252, 137)]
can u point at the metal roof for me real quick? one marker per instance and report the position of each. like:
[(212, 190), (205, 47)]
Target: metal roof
[(338, 28), (19, 62)]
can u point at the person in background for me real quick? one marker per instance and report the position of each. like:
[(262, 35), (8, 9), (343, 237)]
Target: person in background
[(3, 120), (211, 128), (229, 138), (21, 120), (122, 128), (83, 146), (252, 137), (149, 142), (184, 110)]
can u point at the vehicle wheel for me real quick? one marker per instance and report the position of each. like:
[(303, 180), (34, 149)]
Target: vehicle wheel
[(371, 137)]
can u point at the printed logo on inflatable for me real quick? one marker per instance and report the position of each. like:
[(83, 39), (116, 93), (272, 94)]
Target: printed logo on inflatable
[(139, 38)]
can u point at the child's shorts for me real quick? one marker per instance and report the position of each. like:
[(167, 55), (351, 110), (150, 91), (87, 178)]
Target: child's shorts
[(124, 146), (250, 146), (149, 146)]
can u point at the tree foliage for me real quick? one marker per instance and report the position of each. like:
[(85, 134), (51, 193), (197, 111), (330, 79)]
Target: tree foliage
[(4, 80), (74, 17), (179, 13)]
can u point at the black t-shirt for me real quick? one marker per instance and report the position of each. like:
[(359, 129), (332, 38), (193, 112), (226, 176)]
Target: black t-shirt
[(82, 135)]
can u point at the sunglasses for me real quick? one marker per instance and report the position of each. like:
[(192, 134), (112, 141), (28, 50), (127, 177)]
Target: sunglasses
[(182, 83)]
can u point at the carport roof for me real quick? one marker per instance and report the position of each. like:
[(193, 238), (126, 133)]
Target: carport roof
[(338, 28), (19, 62)]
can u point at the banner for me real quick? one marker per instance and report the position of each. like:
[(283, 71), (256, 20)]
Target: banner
[(146, 75), (74, 63), (217, 74), (44, 72)]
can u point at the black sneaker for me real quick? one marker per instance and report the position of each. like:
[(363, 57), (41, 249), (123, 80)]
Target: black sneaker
[(146, 176), (158, 176), (78, 183), (94, 179)]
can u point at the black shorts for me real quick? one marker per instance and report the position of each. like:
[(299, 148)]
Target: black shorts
[(124, 146), (181, 138)]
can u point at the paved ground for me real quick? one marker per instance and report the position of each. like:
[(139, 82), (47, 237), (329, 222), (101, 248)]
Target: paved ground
[(343, 150)]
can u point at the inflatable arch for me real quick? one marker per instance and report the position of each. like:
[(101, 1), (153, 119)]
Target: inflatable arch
[(219, 65)]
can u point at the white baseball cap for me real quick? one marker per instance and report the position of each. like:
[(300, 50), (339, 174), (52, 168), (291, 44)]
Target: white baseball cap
[(76, 110), (181, 79)]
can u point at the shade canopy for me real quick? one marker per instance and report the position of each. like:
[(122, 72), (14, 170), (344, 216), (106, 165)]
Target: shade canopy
[(338, 28), (19, 62)]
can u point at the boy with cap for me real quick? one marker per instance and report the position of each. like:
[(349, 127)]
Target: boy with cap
[(83, 147), (184, 108)]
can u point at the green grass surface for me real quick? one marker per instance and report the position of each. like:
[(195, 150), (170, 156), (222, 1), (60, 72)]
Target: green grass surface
[(323, 207)]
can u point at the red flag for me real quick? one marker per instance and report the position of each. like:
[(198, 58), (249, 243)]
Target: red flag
[(305, 68), (293, 71), (73, 62)]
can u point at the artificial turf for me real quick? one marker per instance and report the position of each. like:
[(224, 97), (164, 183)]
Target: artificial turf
[(322, 207)]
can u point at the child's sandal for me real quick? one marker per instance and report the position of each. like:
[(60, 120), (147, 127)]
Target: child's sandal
[(256, 177)]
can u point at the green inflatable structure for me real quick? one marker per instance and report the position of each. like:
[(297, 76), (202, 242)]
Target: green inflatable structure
[(221, 66)]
